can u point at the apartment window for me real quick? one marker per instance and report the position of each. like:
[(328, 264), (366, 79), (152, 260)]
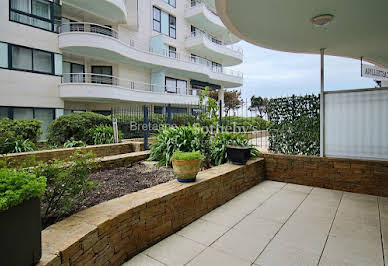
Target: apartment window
[(43, 14), (196, 31), (171, 2), (103, 74), (176, 86), (216, 67), (73, 73), (164, 23), (3, 55), (31, 60), (172, 52)]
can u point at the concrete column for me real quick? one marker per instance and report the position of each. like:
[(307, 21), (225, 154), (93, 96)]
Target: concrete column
[(221, 94), (322, 105)]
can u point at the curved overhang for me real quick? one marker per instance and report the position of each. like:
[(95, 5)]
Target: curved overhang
[(113, 50), (202, 46), (109, 93), (112, 10), (359, 28), (200, 16)]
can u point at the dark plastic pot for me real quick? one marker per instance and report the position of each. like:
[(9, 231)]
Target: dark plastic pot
[(20, 230), (238, 155)]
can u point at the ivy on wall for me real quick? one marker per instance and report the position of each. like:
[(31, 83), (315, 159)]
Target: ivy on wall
[(294, 125)]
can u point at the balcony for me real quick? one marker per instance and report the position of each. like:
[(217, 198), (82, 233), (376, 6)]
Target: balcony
[(95, 87), (205, 45), (112, 10), (199, 14), (87, 39)]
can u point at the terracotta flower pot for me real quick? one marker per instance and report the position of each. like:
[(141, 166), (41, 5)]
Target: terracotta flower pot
[(186, 170)]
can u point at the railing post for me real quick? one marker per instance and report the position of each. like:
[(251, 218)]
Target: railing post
[(169, 114), (146, 127)]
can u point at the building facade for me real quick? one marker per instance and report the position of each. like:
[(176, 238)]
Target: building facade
[(65, 56)]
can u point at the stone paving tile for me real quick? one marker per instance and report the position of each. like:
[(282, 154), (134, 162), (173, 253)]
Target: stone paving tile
[(221, 217), (213, 257), (175, 250), (203, 231), (298, 188), (242, 245), (142, 260), (258, 227)]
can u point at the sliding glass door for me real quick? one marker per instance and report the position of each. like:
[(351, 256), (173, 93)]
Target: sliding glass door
[(103, 74)]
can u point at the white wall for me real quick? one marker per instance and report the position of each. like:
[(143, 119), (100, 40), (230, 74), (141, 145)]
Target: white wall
[(356, 124)]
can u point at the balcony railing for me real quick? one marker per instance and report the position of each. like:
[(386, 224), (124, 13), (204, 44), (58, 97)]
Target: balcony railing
[(198, 33), (107, 80), (193, 3), (108, 31)]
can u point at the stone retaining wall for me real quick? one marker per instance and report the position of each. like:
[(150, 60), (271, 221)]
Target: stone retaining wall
[(361, 176), (112, 232), (98, 150)]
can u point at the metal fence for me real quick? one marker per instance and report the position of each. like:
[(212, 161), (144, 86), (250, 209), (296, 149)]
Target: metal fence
[(144, 121)]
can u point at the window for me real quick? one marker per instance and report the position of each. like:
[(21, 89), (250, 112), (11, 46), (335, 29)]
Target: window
[(176, 86), (171, 2), (3, 55), (172, 51), (216, 67), (157, 19), (104, 74), (43, 14), (34, 60), (164, 23), (107, 30), (71, 71), (4, 112), (196, 31)]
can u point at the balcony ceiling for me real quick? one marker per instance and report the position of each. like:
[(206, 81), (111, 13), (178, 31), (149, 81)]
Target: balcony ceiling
[(112, 10), (359, 27)]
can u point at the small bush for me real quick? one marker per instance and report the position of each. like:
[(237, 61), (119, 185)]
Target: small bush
[(172, 139), (13, 133), (67, 182), (102, 135), (187, 156), (75, 126), (18, 186), (74, 143)]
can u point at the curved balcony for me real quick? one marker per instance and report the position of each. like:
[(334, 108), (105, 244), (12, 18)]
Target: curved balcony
[(204, 45), (95, 87), (101, 42), (199, 14), (112, 10)]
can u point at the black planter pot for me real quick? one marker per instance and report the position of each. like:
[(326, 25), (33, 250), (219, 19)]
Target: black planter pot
[(20, 230), (238, 155)]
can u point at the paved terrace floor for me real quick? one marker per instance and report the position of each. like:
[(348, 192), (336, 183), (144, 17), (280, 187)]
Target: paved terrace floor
[(281, 224)]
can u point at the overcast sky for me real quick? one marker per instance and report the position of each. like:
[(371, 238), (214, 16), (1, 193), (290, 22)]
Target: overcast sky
[(269, 73)]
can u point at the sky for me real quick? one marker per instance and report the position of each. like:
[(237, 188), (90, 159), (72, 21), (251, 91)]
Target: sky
[(270, 73)]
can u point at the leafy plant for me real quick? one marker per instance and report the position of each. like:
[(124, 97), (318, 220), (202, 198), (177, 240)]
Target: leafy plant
[(74, 143), (294, 125), (187, 156), (172, 139), (75, 126), (23, 145), (219, 142), (18, 186), (67, 182), (102, 135), (209, 115)]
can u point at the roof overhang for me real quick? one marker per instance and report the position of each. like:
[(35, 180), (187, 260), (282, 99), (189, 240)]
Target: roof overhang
[(359, 27)]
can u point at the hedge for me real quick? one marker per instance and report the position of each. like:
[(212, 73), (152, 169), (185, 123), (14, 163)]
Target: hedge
[(248, 123), (75, 126), (12, 131), (294, 125)]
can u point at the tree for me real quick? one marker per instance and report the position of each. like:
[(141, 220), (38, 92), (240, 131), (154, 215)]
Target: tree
[(259, 104), (232, 99)]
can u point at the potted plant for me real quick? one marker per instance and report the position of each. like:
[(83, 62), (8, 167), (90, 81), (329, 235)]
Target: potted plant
[(20, 217), (186, 165), (238, 154)]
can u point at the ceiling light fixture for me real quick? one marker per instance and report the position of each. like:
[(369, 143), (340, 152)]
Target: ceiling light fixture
[(322, 20)]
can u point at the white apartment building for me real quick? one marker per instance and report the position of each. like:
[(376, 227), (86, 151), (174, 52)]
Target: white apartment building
[(65, 56)]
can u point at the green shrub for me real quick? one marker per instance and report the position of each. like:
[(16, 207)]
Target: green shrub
[(23, 146), (247, 123), (67, 182), (102, 135), (172, 139), (14, 132), (75, 126), (187, 156), (74, 143), (219, 142), (18, 186)]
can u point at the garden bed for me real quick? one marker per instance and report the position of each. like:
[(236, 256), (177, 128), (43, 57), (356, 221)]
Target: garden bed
[(117, 182)]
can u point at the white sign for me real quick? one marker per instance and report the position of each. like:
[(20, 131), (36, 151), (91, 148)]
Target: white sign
[(377, 73)]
